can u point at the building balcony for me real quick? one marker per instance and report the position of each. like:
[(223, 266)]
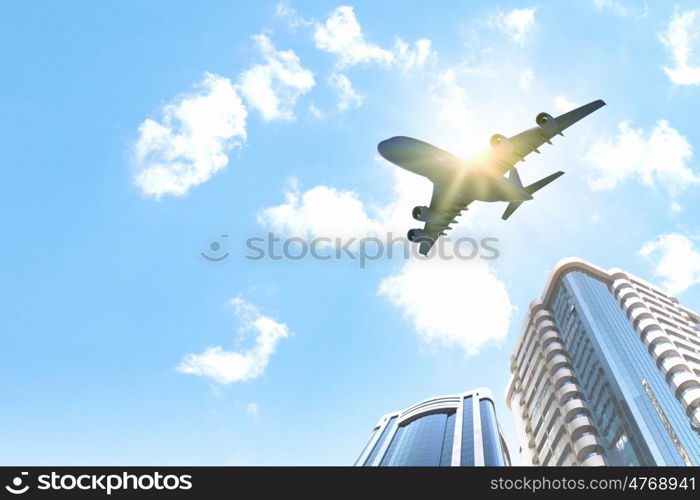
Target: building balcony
[(695, 418), (674, 364), (561, 375), (579, 425), (621, 286), (585, 445), (544, 326), (557, 361), (531, 443), (572, 407), (549, 336), (645, 322), (653, 335), (624, 292), (691, 397), (540, 315), (663, 350), (645, 318), (552, 348), (594, 461), (631, 302), (637, 312), (567, 389), (683, 380)]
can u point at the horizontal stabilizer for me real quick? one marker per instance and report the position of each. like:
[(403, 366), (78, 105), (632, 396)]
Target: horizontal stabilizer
[(512, 207), (532, 188), (536, 186)]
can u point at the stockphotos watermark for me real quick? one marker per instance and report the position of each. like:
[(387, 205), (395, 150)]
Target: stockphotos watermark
[(102, 483), (361, 250)]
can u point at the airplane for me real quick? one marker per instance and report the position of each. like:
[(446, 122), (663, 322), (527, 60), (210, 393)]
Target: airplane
[(457, 182)]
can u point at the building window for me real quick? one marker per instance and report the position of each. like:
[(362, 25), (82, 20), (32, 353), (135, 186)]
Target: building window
[(377, 447), (374, 431), (489, 431), (424, 441), (467, 432), (623, 450)]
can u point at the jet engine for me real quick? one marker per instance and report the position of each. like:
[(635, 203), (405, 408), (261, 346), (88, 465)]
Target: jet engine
[(498, 139), (421, 213), (547, 123), (501, 143), (415, 234)]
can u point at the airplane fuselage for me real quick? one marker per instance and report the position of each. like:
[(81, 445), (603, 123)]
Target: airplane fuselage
[(474, 178)]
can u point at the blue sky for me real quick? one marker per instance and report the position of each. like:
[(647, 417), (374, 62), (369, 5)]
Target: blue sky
[(134, 134)]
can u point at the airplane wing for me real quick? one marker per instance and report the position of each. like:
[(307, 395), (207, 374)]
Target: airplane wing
[(524, 143), (441, 168), (443, 210)]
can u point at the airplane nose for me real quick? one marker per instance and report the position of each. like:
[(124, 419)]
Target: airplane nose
[(384, 147), (393, 149)]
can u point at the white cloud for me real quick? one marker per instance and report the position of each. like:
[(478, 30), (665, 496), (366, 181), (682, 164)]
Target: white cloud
[(328, 212), (621, 9), (286, 12), (408, 58), (320, 212), (315, 112), (274, 87), (252, 409), (676, 261), (563, 104), (191, 142), (681, 39), (657, 158), (525, 78), (196, 132), (226, 367), (515, 23), (347, 97), (342, 36), (452, 106), (451, 302)]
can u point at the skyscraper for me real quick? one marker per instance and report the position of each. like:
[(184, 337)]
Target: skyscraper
[(606, 371), (459, 429)]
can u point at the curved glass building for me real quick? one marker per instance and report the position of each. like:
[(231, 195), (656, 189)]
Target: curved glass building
[(606, 372), (455, 430)]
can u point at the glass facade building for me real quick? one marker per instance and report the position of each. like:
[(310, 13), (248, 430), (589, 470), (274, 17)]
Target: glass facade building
[(606, 372), (459, 429)]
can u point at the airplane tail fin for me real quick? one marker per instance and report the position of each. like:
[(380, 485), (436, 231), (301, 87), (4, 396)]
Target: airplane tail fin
[(532, 188), (514, 177)]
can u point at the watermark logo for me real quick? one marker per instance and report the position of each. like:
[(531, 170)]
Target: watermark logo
[(215, 246), (361, 250), (16, 487)]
